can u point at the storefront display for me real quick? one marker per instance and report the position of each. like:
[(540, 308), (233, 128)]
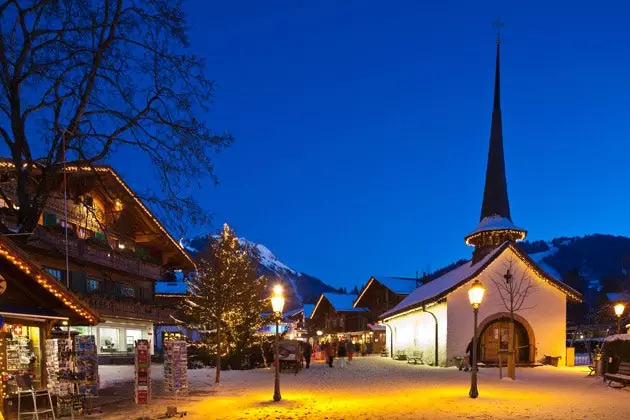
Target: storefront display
[(23, 354), (175, 366), (143, 372)]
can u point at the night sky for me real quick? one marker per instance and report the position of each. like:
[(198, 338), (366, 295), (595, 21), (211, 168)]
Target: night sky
[(362, 126)]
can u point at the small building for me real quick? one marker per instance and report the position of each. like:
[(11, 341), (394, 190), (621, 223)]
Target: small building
[(336, 313), (32, 304), (437, 319)]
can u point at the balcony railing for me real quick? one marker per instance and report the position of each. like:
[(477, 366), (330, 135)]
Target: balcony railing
[(120, 308), (80, 249)]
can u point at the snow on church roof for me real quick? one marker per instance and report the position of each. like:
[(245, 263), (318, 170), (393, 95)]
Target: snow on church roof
[(496, 222), (443, 285)]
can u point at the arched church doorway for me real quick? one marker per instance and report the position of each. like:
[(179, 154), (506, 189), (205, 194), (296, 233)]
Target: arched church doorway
[(494, 339)]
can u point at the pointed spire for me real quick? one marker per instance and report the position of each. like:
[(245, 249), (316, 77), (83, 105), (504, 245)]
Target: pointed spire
[(495, 195)]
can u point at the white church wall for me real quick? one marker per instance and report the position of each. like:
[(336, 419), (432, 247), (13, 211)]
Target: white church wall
[(546, 310), (415, 331)]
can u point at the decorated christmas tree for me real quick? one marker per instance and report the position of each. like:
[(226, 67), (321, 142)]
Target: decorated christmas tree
[(226, 295)]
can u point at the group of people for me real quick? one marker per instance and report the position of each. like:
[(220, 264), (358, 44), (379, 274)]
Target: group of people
[(342, 349)]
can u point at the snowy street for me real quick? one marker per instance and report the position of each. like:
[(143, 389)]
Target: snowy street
[(376, 388)]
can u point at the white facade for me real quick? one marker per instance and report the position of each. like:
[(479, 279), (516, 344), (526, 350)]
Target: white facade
[(543, 313)]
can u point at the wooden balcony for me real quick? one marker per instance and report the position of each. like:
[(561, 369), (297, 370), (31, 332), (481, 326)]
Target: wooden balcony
[(128, 309), (79, 249)]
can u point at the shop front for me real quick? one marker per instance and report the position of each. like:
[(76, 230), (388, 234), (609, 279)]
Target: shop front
[(34, 307), (117, 336)]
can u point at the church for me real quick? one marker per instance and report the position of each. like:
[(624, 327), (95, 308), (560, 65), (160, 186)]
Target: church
[(435, 321)]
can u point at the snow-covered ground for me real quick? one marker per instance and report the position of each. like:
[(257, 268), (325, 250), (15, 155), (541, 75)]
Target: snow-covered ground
[(376, 388)]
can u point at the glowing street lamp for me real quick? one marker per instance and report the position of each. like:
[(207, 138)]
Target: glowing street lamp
[(475, 295), (619, 308), (319, 333), (277, 303)]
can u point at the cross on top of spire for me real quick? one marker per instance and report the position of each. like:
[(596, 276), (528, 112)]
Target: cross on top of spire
[(499, 25)]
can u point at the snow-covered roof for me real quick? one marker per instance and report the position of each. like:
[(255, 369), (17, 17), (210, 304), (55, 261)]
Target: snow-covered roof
[(171, 287), (443, 285), (494, 223), (615, 337), (398, 285), (447, 281), (292, 312), (618, 297)]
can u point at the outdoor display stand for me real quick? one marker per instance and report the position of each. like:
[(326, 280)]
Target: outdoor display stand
[(86, 374), (175, 372), (61, 376), (143, 373)]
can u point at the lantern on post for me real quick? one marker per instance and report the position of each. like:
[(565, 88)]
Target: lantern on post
[(475, 296), (277, 304)]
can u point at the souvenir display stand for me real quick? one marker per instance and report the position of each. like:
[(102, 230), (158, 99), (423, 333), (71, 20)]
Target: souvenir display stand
[(61, 376), (86, 374), (143, 373), (175, 372)]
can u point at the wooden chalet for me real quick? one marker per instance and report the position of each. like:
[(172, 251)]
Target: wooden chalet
[(117, 250), (381, 294), (335, 313)]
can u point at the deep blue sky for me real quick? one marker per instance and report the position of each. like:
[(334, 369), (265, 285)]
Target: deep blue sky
[(362, 126)]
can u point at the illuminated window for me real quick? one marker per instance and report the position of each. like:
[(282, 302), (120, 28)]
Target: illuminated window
[(54, 272), (109, 339), (93, 285)]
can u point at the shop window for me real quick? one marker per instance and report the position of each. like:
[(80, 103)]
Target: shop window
[(131, 337), (23, 352), (55, 273), (109, 340)]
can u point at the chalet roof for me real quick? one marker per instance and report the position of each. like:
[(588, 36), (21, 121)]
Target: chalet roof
[(398, 285), (11, 253), (441, 287), (340, 302)]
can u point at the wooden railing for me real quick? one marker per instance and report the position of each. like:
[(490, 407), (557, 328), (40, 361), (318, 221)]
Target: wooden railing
[(80, 249), (120, 308)]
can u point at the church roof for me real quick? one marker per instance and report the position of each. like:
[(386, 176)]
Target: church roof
[(441, 287), (495, 222)]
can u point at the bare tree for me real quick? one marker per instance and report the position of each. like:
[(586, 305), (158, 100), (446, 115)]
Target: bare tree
[(513, 291), (83, 80)]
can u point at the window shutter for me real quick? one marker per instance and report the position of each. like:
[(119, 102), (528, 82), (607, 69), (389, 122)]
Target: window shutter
[(50, 219), (78, 280)]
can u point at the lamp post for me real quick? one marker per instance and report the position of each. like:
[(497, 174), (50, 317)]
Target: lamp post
[(619, 308), (277, 303), (475, 295)]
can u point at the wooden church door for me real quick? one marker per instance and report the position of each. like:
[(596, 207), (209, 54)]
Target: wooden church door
[(494, 339)]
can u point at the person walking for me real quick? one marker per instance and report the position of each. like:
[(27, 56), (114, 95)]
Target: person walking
[(308, 350), (330, 353), (350, 350), (341, 353)]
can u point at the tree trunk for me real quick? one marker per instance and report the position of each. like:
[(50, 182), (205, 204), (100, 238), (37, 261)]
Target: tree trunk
[(217, 379), (511, 368)]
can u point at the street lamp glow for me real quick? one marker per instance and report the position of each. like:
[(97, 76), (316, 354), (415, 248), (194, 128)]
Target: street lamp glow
[(277, 299), (619, 308), (475, 294), (319, 333)]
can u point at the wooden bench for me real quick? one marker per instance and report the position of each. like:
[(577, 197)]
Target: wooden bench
[(415, 357), (622, 376), (400, 355)]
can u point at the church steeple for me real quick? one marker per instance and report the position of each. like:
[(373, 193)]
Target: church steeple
[(495, 225), (495, 195)]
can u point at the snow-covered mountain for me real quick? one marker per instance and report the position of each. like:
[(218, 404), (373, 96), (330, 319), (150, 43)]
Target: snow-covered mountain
[(299, 287)]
